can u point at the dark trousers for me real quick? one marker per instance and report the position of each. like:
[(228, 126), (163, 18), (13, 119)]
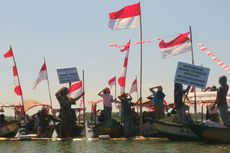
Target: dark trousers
[(108, 112)]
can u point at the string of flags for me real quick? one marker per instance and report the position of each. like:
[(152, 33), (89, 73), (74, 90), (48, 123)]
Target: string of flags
[(136, 43), (201, 46), (213, 57)]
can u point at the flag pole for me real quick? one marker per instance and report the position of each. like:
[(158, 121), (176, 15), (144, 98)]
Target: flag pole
[(83, 85), (137, 89), (195, 105), (127, 54), (23, 106), (141, 115), (137, 97), (115, 92), (48, 85)]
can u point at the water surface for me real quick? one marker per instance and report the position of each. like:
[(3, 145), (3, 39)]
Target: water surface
[(109, 146)]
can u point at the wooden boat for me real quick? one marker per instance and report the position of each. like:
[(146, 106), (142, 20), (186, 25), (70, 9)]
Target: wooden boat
[(10, 129), (174, 131), (111, 128), (149, 130), (211, 134)]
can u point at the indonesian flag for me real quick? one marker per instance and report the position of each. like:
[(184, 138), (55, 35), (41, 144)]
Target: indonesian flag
[(179, 45), (133, 87), (112, 82), (41, 76), (17, 88), (126, 18), (75, 90), (122, 78)]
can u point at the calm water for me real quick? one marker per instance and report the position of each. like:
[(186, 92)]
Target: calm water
[(107, 146)]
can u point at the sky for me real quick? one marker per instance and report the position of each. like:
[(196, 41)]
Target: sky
[(74, 33)]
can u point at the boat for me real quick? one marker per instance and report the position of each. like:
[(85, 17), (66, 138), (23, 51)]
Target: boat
[(167, 127), (10, 129), (211, 133), (110, 127)]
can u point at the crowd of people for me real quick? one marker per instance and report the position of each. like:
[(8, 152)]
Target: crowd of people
[(129, 118)]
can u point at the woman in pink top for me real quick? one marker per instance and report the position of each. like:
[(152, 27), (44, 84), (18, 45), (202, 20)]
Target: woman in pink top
[(107, 102)]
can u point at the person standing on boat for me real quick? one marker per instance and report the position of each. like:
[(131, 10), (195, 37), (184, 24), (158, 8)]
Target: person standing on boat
[(67, 115), (179, 92), (107, 102), (157, 99), (126, 115), (221, 100)]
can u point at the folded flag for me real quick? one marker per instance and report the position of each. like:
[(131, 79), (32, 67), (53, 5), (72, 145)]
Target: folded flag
[(126, 18), (75, 90), (41, 76), (179, 45)]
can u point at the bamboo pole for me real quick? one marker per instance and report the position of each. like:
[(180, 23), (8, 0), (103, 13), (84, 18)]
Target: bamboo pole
[(141, 114), (22, 99), (48, 85), (84, 118), (195, 105)]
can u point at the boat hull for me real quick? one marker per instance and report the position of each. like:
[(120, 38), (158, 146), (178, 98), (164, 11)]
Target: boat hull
[(149, 130), (175, 131), (111, 128), (10, 129), (211, 134)]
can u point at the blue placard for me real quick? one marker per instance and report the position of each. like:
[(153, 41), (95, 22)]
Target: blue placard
[(67, 75), (193, 75)]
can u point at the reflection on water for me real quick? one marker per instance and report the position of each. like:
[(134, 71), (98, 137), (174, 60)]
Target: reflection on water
[(105, 146)]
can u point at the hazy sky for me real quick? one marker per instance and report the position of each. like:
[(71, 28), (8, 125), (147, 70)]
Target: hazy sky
[(74, 33)]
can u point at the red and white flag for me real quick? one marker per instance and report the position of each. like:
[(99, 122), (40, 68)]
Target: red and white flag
[(133, 87), (75, 90), (41, 76), (17, 88), (112, 82), (179, 45), (122, 78), (126, 18)]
